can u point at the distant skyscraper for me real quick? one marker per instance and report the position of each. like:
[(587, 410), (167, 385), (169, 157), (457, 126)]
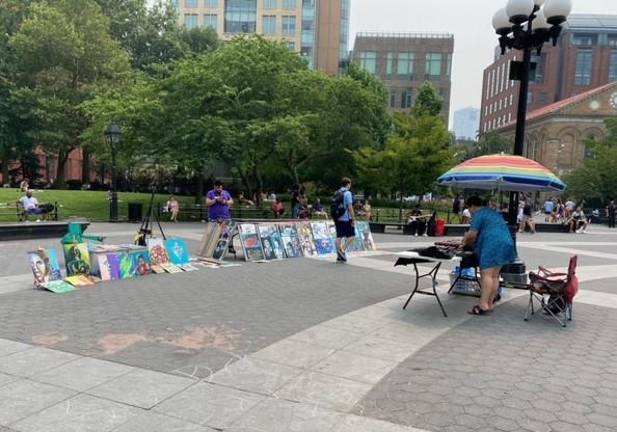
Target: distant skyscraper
[(466, 123), (317, 29), (404, 61)]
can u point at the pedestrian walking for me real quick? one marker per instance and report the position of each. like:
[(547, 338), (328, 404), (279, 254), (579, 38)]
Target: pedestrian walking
[(610, 213), (343, 214)]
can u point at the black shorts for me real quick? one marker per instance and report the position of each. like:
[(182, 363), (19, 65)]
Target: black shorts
[(344, 229)]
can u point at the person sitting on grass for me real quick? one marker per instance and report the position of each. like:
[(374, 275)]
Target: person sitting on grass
[(490, 237)]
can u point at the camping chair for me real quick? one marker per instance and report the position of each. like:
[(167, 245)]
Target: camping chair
[(560, 289)]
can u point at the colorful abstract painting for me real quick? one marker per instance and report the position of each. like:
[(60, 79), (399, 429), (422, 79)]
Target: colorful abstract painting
[(141, 262), (44, 265), (271, 241), (158, 252), (77, 259), (323, 241), (305, 234), (113, 262), (125, 264)]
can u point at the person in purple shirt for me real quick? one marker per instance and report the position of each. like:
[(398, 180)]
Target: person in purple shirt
[(218, 202)]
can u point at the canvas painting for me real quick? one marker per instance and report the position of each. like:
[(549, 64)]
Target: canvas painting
[(323, 240), (271, 241), (367, 236), (251, 245), (157, 269), (158, 253), (178, 251), (212, 234), (305, 235), (171, 268), (58, 286), (113, 263), (77, 259), (227, 230), (104, 267), (80, 280), (290, 239), (141, 262), (45, 266), (126, 266)]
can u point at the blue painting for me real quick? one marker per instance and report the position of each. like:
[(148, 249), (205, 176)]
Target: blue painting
[(178, 251)]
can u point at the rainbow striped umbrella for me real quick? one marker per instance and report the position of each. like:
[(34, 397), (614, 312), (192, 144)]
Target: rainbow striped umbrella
[(504, 173)]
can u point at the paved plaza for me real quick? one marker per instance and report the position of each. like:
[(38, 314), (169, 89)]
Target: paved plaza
[(305, 345)]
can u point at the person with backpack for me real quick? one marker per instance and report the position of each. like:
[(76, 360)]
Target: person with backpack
[(342, 212)]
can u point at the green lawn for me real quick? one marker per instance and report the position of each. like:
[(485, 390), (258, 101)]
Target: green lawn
[(86, 204)]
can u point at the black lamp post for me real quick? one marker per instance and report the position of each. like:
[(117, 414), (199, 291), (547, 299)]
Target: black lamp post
[(113, 136), (526, 25)]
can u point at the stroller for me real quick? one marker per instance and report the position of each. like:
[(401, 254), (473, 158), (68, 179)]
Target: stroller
[(560, 289)]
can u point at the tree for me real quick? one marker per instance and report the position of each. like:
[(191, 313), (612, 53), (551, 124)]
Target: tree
[(491, 143), (63, 50), (428, 101), (595, 181)]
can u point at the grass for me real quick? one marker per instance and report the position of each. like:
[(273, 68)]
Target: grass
[(92, 205)]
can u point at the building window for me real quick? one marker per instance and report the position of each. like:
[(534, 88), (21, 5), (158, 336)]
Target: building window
[(406, 100), (392, 98), (211, 3), (190, 21), (612, 68), (368, 61), (240, 16), (211, 20), (270, 4), (612, 40), (405, 66), (433, 65), (582, 40), (291, 46), (529, 98), (190, 4), (289, 4), (289, 25), (390, 65), (511, 99), (269, 24), (584, 60), (540, 61), (449, 65)]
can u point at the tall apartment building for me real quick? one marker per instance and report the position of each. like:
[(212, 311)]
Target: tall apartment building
[(585, 58), (466, 122), (404, 61), (317, 29)]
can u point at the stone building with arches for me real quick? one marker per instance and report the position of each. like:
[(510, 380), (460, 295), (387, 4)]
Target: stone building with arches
[(556, 135)]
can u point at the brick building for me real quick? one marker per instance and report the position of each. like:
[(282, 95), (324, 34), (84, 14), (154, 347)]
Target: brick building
[(404, 61), (317, 29), (585, 58), (556, 134)]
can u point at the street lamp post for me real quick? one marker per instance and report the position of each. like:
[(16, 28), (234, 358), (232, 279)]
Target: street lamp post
[(526, 25), (113, 136)]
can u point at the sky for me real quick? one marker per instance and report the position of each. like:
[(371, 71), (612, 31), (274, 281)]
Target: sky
[(468, 20)]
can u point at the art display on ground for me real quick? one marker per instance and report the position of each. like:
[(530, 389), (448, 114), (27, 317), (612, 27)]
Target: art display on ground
[(80, 280), (158, 252), (58, 286), (45, 266), (141, 262), (323, 240), (209, 240), (178, 251), (271, 241), (251, 245), (291, 240), (305, 233), (367, 236), (226, 233), (77, 258)]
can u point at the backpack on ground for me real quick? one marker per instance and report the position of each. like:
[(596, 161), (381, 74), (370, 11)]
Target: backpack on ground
[(336, 207)]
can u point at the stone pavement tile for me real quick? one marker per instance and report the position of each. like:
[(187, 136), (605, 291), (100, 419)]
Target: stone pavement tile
[(5, 379), (354, 423), (324, 390), (275, 415), (355, 324), (327, 337), (82, 374), (254, 375), (152, 422), (294, 353), (374, 346), (82, 413), (354, 366), (209, 405), (22, 398), (141, 388), (30, 362), (9, 347)]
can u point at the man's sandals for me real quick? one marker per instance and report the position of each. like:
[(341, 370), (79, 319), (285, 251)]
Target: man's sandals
[(477, 310)]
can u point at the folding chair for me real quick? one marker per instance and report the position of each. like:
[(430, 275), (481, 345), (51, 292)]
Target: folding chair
[(560, 289)]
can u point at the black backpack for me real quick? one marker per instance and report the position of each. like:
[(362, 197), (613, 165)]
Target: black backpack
[(336, 207)]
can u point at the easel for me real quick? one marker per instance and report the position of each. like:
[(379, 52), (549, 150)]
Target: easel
[(147, 223)]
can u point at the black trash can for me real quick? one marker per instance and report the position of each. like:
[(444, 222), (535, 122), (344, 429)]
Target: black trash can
[(136, 211)]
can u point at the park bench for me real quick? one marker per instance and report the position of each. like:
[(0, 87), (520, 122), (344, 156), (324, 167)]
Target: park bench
[(16, 210)]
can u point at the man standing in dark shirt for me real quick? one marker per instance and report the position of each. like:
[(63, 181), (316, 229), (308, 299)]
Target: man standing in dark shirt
[(610, 213)]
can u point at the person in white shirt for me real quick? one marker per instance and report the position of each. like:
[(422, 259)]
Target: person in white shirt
[(30, 204)]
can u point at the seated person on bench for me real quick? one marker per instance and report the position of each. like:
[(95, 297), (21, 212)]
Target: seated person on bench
[(31, 205), (417, 221)]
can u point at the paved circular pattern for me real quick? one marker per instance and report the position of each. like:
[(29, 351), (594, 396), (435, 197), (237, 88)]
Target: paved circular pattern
[(500, 373)]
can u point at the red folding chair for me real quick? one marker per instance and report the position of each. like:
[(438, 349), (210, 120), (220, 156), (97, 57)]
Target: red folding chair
[(554, 292)]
